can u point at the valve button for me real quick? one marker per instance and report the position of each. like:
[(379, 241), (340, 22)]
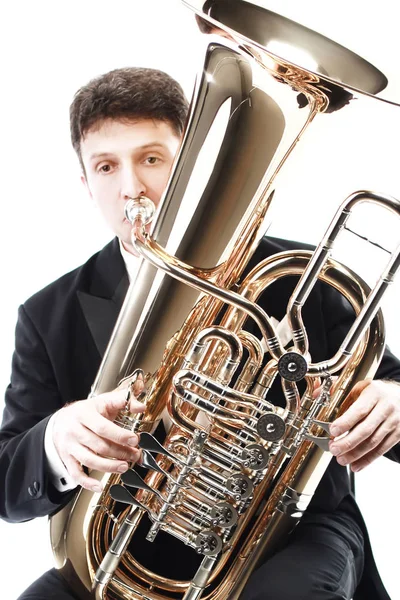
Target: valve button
[(271, 427), (292, 366)]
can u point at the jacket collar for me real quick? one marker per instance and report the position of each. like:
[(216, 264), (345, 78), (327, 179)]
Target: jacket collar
[(108, 270), (102, 300), (107, 284)]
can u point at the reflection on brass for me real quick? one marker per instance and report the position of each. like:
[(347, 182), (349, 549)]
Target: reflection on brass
[(235, 472)]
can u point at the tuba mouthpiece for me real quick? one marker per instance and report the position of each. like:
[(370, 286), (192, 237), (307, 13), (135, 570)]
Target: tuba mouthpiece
[(140, 207)]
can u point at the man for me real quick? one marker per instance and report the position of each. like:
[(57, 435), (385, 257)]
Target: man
[(126, 127)]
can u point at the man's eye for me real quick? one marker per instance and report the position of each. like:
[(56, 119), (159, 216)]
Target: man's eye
[(152, 160), (105, 168)]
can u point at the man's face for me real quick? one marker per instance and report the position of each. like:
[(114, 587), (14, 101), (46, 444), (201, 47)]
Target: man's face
[(125, 160)]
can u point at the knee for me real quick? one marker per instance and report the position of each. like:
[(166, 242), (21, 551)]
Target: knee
[(266, 585)]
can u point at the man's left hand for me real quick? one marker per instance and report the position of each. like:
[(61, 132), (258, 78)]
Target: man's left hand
[(372, 423)]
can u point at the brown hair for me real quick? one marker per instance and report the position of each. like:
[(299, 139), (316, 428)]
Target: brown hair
[(127, 94)]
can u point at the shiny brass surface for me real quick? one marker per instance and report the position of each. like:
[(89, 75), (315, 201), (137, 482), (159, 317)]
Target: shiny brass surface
[(235, 472)]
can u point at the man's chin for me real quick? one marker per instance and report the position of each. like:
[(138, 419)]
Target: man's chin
[(125, 233), (125, 236), (129, 247)]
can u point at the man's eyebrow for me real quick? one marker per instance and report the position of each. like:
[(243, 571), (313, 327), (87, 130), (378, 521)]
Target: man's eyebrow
[(139, 148), (151, 145), (99, 155)]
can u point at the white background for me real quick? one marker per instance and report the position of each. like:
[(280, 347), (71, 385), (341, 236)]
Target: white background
[(48, 226)]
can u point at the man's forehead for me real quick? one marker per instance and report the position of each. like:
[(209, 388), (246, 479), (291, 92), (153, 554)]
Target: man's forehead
[(113, 135)]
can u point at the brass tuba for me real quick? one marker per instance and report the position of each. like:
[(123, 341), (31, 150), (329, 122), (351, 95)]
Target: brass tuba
[(235, 472)]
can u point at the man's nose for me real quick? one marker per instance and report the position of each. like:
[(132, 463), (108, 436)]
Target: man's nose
[(132, 185)]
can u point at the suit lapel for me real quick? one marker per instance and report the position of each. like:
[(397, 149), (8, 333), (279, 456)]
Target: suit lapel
[(107, 289), (102, 297)]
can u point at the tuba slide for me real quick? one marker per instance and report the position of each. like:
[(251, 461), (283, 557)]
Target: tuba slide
[(235, 472)]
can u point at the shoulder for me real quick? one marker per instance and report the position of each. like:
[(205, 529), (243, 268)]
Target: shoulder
[(269, 246), (63, 289), (273, 245)]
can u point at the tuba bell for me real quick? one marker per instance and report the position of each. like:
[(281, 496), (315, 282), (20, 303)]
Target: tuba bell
[(235, 472)]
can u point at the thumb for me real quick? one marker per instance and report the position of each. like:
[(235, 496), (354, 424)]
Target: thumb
[(111, 403), (318, 387), (357, 389), (137, 389), (138, 386)]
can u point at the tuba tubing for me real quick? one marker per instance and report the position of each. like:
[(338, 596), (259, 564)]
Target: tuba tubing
[(235, 473)]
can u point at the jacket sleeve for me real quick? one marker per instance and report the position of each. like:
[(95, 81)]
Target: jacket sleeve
[(338, 317), (31, 398)]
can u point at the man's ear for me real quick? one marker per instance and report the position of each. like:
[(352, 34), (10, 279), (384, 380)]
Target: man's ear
[(86, 185)]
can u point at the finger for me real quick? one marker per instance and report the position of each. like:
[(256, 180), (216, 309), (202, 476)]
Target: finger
[(381, 449), (364, 431), (110, 404), (361, 407), (76, 471), (110, 431), (138, 385), (136, 407), (318, 386), (105, 447), (366, 446), (93, 461), (139, 457)]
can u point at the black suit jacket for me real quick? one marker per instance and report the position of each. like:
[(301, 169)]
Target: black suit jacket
[(61, 335)]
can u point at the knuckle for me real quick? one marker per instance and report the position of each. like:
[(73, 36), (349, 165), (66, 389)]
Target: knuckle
[(377, 452), (364, 408), (101, 429), (388, 409), (80, 435), (122, 455), (371, 456), (100, 446), (346, 445), (122, 436), (350, 458), (137, 455), (133, 455), (338, 427), (369, 432), (125, 454), (374, 440), (100, 404)]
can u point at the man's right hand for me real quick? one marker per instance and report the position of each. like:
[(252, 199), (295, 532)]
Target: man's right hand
[(84, 435)]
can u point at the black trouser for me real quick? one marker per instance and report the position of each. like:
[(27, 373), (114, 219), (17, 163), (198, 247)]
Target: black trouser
[(323, 560)]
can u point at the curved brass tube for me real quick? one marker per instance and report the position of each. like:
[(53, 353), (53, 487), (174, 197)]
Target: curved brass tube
[(229, 450)]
